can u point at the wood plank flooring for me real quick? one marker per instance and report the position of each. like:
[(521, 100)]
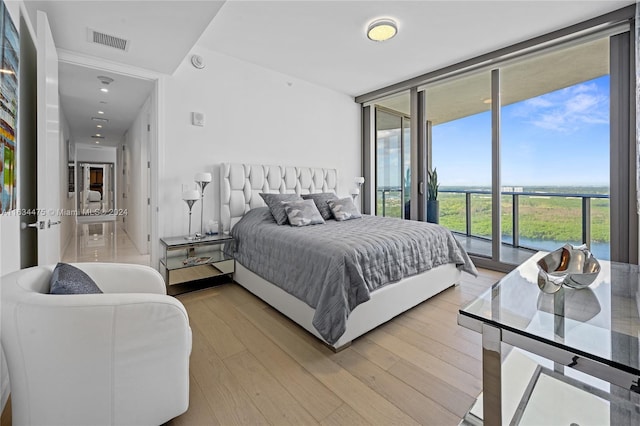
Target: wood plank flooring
[(252, 365)]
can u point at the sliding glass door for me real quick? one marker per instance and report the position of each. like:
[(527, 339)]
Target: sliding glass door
[(458, 113), (393, 158)]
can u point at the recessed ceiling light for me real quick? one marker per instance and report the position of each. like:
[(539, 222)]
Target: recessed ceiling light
[(105, 80), (100, 112), (382, 29), (100, 119), (104, 89), (99, 126), (98, 135), (97, 141)]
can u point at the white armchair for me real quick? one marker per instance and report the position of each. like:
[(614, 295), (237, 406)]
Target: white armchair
[(95, 359)]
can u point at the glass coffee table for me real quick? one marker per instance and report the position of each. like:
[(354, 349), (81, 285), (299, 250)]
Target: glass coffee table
[(583, 346)]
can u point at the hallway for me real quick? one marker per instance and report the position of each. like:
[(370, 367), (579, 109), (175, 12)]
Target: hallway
[(102, 242)]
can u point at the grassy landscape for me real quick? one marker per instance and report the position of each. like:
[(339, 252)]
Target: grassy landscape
[(540, 217)]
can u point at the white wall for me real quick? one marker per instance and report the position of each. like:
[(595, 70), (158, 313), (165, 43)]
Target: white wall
[(95, 154), (253, 115), (137, 151)]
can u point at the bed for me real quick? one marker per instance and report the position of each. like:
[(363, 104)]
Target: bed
[(348, 300), (94, 201)]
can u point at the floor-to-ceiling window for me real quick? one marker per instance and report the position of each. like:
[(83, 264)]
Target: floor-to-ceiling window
[(459, 121), (555, 148), (393, 157), (527, 149)]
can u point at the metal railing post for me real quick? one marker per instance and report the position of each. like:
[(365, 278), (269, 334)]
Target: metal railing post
[(384, 203), (586, 211), (467, 205), (516, 220), (586, 221)]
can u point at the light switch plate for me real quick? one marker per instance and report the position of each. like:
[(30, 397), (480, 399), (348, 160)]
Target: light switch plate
[(197, 119)]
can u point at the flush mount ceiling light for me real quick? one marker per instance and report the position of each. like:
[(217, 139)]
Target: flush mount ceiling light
[(382, 29)]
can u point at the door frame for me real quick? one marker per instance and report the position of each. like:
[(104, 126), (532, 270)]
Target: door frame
[(156, 138)]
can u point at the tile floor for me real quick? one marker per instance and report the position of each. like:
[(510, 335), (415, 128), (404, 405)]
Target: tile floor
[(102, 241)]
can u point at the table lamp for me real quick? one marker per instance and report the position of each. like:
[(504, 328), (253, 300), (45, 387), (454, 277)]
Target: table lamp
[(202, 179), (190, 197), (356, 191)]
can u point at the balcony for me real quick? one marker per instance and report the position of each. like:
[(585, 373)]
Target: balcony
[(531, 221)]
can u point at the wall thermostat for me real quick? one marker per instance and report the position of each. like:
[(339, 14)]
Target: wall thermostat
[(197, 61), (197, 119)]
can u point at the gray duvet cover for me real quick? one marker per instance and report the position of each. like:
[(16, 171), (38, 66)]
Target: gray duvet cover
[(335, 266)]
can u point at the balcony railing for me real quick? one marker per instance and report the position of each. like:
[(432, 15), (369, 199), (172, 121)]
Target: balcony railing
[(394, 194), (515, 202)]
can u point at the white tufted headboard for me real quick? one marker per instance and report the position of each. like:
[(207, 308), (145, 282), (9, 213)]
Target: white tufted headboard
[(240, 185)]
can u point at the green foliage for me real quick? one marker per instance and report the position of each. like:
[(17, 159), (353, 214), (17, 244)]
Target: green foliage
[(540, 218), (432, 185)]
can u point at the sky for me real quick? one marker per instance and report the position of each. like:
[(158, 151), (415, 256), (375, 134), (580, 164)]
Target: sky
[(557, 139)]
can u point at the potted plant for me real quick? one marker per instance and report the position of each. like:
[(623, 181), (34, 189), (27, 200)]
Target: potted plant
[(433, 208)]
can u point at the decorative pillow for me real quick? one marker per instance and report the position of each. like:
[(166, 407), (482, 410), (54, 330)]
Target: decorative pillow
[(344, 209), (321, 202), (302, 213), (274, 202), (67, 279)]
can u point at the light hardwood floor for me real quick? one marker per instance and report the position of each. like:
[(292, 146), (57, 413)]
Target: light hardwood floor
[(251, 365)]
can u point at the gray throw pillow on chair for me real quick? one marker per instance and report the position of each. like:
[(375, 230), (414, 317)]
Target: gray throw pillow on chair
[(67, 279)]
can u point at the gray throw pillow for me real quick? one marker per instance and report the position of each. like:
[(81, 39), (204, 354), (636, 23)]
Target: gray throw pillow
[(67, 279), (321, 202), (274, 202), (302, 213), (344, 209)]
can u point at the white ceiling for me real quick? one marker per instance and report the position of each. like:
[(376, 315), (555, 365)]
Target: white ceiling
[(324, 42), (160, 35), (81, 99)]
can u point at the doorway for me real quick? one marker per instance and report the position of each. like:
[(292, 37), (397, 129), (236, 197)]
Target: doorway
[(96, 189), (107, 120)]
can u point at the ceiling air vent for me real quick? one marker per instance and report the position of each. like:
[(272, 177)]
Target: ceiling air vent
[(108, 40)]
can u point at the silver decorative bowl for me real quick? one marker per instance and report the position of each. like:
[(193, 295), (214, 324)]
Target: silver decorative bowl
[(572, 266)]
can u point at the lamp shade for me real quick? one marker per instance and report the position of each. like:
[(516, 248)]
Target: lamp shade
[(191, 194), (355, 191), (202, 177), (359, 180)]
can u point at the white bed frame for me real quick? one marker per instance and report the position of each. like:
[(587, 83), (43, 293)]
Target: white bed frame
[(240, 185)]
